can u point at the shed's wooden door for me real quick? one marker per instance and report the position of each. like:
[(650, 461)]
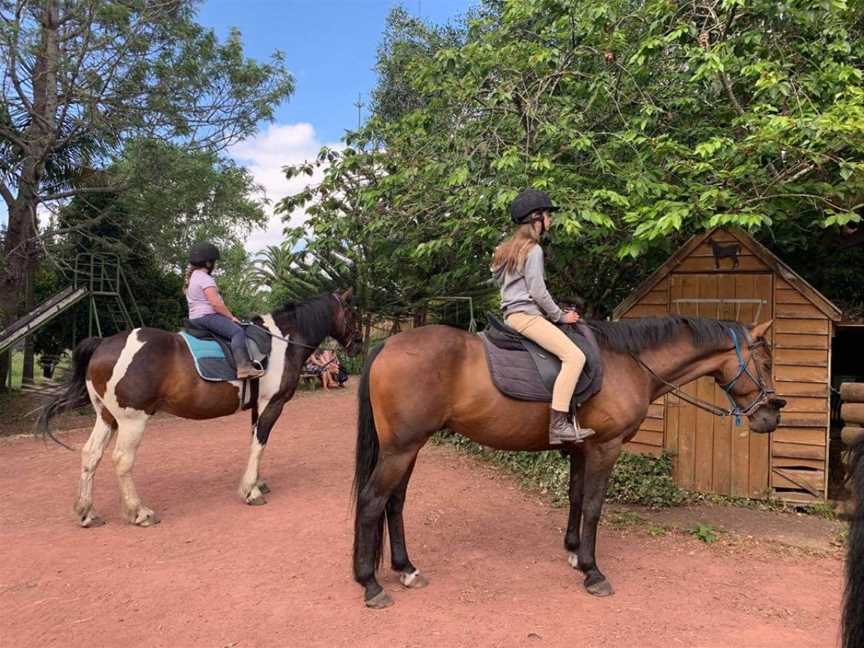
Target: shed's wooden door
[(711, 453)]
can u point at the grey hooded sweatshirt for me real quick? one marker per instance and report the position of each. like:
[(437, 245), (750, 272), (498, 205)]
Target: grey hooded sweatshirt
[(524, 291)]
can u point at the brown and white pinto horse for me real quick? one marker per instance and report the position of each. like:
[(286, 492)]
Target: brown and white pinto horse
[(435, 377), (132, 375)]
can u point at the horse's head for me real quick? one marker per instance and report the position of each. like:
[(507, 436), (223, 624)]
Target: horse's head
[(745, 376), (346, 323)]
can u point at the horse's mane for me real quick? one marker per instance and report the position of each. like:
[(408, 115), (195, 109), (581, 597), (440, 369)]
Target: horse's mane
[(310, 320), (633, 336)]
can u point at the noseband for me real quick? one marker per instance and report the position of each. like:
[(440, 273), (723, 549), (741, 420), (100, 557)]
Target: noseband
[(743, 370)]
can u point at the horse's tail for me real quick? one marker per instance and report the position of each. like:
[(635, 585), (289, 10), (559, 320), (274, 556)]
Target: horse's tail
[(853, 605), (366, 456), (74, 393)]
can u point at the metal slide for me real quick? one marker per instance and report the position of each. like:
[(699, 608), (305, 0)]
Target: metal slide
[(41, 315)]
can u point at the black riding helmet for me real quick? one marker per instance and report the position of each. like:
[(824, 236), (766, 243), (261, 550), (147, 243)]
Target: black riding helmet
[(202, 253), (528, 202)]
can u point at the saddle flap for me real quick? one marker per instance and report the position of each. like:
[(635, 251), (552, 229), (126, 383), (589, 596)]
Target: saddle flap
[(524, 370)]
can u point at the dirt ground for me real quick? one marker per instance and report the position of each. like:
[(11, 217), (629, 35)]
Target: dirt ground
[(217, 573)]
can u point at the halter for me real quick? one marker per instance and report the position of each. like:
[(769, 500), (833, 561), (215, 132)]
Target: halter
[(743, 370)]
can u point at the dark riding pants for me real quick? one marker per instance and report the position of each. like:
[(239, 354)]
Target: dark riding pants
[(226, 328)]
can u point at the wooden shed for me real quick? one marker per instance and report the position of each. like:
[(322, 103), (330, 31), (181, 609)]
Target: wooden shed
[(726, 274)]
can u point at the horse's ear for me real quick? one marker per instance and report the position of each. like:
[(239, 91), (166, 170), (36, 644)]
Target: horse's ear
[(347, 296), (759, 330)]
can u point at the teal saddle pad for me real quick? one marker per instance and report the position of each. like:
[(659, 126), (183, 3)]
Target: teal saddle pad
[(211, 360)]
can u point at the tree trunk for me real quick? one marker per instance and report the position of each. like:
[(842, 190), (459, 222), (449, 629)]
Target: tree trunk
[(41, 136), (27, 372)]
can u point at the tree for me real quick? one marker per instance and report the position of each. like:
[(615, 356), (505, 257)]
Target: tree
[(648, 121), (83, 78)]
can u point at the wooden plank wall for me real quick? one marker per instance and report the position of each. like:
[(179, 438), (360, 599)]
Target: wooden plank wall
[(802, 348), (713, 454), (649, 438), (793, 460)]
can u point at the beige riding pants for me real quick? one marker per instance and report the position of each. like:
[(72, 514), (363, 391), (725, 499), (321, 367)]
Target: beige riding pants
[(540, 330)]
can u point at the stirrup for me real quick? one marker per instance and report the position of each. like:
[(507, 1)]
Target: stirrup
[(581, 433)]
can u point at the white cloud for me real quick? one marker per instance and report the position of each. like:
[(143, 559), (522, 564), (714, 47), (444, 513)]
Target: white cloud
[(264, 155)]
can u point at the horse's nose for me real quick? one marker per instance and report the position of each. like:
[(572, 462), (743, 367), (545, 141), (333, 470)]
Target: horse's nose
[(777, 403)]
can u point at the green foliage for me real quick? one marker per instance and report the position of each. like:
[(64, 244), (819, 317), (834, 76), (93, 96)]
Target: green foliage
[(704, 532), (646, 480), (636, 479), (647, 121)]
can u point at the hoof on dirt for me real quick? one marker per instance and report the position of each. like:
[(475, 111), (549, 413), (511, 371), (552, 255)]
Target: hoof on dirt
[(258, 500), (573, 560), (380, 601), (147, 519), (414, 580), (91, 521), (263, 487), (601, 588)]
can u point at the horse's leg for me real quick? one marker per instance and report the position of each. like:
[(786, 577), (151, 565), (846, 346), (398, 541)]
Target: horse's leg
[(252, 488), (574, 523), (599, 460), (369, 535), (409, 575), (91, 455), (130, 431)]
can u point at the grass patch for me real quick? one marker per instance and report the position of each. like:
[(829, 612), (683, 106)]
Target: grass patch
[(636, 479), (704, 532)]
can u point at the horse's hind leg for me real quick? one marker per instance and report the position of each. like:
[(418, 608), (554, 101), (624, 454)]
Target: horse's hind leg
[(131, 429), (91, 455), (369, 535), (409, 575)]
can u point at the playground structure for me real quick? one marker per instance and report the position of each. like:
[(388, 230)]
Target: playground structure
[(98, 280)]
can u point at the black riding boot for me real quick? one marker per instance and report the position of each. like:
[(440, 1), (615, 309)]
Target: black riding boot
[(562, 430)]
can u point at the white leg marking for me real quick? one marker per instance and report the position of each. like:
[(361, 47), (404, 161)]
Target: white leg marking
[(249, 484), (408, 579), (573, 560), (130, 432), (130, 424), (91, 455)]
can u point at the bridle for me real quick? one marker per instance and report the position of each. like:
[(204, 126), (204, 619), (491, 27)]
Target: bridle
[(735, 410)]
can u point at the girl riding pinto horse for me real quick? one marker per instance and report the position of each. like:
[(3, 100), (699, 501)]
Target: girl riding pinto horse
[(132, 375)]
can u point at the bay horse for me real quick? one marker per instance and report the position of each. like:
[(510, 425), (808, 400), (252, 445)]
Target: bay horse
[(435, 377), (853, 604), (132, 375)]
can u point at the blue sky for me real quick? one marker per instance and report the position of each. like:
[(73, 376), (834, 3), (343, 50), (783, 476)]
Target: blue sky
[(329, 45), (330, 48)]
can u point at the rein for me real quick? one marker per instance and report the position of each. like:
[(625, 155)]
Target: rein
[(288, 339), (743, 370)]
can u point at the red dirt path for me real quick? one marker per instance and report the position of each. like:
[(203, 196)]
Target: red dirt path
[(218, 573)]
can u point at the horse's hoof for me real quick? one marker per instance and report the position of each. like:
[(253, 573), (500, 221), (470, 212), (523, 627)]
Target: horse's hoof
[(573, 560), (380, 601), (258, 500), (414, 580), (600, 588), (263, 487), (147, 518), (91, 521)]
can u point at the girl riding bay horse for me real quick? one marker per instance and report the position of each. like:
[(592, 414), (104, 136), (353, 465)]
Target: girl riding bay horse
[(132, 375), (435, 377)]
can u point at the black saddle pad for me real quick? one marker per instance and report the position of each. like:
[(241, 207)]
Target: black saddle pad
[(214, 368), (524, 370)]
